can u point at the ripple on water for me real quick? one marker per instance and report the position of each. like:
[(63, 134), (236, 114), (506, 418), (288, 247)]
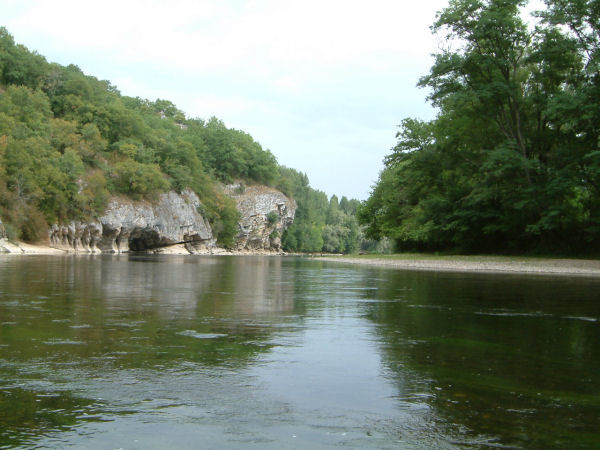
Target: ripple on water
[(196, 335), (63, 342), (513, 314), (377, 300), (585, 319), (132, 324)]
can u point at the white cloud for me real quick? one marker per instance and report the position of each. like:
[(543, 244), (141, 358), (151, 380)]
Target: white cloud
[(195, 35), (287, 83)]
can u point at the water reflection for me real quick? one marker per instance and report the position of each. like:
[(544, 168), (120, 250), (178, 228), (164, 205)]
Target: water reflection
[(512, 358), (249, 286), (131, 329), (287, 352), (34, 413)]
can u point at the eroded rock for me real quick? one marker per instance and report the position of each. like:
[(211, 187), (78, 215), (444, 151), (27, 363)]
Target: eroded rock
[(265, 213), (129, 225)]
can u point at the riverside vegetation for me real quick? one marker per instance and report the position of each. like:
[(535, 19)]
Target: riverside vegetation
[(69, 142), (511, 163)]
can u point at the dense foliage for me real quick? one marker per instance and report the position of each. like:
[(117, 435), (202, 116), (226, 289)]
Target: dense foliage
[(512, 160), (320, 225), (69, 141)]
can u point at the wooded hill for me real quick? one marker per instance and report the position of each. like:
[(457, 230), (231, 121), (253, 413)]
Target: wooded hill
[(511, 163), (69, 141)]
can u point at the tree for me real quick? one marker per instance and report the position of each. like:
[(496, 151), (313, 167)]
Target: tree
[(511, 161), (138, 179)]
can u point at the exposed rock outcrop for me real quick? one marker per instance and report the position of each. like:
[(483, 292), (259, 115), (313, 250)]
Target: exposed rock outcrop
[(174, 224), (129, 225), (264, 215), (77, 236)]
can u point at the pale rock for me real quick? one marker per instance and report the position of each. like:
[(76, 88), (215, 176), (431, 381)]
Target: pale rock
[(139, 226), (255, 203), (76, 236)]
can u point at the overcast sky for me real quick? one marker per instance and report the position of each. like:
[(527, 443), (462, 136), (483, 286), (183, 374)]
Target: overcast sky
[(323, 84)]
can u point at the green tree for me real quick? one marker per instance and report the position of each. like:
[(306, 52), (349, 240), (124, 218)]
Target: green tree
[(138, 179), (510, 163)]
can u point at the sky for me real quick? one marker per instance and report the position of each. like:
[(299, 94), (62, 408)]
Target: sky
[(322, 84)]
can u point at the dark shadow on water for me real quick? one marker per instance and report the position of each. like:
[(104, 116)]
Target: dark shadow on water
[(26, 415), (514, 358)]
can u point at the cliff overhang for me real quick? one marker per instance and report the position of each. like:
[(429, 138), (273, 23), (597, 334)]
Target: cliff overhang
[(175, 220), (129, 225)]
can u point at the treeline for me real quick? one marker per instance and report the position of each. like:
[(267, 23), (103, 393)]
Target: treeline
[(69, 141), (511, 163), (321, 224)]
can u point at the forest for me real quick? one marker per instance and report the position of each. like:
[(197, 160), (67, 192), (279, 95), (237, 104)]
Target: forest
[(68, 142), (511, 162)]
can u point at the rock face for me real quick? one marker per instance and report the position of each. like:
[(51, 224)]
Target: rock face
[(77, 236), (264, 214), (174, 221), (128, 225)]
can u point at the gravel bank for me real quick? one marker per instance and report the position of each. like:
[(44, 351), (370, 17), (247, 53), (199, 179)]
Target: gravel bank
[(542, 266)]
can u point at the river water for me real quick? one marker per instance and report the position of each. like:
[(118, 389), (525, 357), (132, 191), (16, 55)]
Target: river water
[(282, 352)]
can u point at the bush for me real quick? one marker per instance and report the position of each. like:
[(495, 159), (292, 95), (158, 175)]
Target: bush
[(12, 233), (139, 180), (272, 218)]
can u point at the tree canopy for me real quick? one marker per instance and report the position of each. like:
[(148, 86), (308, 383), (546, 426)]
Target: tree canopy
[(321, 224), (512, 161)]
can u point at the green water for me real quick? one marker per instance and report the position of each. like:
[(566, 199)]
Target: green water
[(276, 352)]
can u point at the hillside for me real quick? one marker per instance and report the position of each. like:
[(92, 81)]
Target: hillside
[(70, 142)]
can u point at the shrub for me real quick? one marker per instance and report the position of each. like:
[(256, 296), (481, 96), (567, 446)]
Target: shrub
[(272, 218)]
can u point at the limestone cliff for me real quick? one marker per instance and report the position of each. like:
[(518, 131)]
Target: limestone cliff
[(175, 222), (264, 215), (129, 225)]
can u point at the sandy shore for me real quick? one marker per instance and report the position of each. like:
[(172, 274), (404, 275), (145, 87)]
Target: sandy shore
[(483, 264), (21, 248)]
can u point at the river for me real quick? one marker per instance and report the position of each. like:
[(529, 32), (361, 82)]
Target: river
[(284, 352)]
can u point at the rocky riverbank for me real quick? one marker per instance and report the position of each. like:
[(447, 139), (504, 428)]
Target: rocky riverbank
[(482, 264), (22, 248)]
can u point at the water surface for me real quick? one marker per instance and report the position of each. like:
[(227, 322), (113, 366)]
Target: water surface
[(277, 352)]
